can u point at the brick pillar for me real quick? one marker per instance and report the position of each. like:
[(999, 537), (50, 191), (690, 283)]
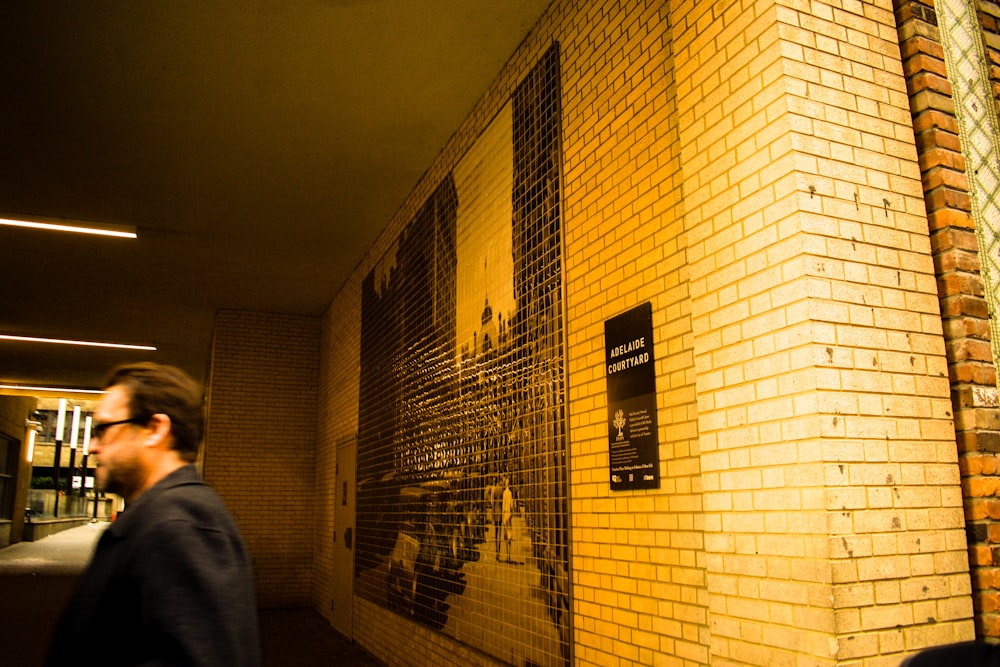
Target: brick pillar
[(827, 456)]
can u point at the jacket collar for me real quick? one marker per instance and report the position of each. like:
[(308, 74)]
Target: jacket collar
[(183, 476)]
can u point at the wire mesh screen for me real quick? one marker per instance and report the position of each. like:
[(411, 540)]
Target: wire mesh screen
[(462, 476)]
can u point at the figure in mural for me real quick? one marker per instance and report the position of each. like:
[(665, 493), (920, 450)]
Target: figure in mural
[(171, 577), (495, 509), (508, 516)]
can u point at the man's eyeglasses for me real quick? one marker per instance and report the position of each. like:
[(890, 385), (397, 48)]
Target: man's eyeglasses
[(100, 429)]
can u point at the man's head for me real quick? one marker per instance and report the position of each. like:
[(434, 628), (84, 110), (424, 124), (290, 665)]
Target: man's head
[(158, 389), (148, 423)]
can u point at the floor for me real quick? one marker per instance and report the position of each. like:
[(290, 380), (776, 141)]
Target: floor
[(37, 577), (294, 637)]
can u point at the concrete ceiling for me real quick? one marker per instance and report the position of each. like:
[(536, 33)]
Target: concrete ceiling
[(258, 147)]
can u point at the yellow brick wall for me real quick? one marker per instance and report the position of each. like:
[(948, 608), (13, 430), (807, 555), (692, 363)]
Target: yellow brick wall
[(260, 444), (639, 575), (638, 557), (750, 170), (340, 364), (833, 515)]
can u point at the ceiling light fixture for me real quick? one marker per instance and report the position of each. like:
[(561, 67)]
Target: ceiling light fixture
[(86, 343), (75, 226), (65, 391)]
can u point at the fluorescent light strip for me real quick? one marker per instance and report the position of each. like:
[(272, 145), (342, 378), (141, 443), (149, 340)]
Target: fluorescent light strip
[(57, 390), (119, 232), (86, 343)]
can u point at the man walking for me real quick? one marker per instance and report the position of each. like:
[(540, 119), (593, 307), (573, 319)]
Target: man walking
[(170, 582)]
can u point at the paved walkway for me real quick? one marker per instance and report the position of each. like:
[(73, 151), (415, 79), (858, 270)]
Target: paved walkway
[(65, 552), (38, 577)]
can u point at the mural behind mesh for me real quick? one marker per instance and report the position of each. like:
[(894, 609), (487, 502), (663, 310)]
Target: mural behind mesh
[(462, 507)]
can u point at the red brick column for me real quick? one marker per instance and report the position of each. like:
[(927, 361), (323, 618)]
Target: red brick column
[(961, 291), (989, 17)]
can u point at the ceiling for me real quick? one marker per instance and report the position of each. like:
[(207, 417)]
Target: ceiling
[(258, 147)]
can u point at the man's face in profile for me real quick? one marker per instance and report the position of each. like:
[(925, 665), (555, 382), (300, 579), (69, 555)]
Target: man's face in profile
[(117, 444)]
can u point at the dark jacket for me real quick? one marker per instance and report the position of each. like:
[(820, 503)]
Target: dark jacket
[(170, 583)]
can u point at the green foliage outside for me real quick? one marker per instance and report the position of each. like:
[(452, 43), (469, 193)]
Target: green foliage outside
[(46, 482)]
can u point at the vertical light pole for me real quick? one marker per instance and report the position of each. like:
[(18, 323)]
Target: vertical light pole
[(86, 452), (73, 434), (31, 443), (60, 426), (32, 427)]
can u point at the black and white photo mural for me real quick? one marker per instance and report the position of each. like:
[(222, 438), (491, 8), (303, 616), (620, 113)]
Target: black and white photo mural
[(462, 473)]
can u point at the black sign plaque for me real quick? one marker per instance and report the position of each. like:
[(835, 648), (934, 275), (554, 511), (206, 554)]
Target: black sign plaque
[(632, 440)]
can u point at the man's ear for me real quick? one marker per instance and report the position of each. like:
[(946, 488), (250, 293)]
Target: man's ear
[(159, 425)]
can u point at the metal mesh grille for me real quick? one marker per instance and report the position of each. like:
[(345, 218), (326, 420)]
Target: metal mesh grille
[(462, 475), (975, 109)]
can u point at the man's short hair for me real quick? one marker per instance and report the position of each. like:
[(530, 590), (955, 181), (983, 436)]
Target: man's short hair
[(159, 389)]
